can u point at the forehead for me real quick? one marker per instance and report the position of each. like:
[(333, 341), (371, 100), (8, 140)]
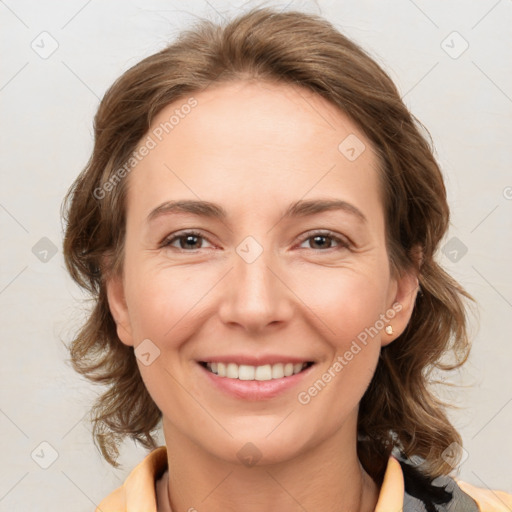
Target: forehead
[(245, 114), (254, 142)]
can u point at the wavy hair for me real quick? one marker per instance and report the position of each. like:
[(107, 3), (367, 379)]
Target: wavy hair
[(399, 408)]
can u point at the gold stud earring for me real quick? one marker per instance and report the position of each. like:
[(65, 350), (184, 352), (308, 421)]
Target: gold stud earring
[(389, 329)]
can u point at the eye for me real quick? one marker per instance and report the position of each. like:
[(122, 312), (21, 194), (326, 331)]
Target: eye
[(187, 240), (191, 240), (320, 237)]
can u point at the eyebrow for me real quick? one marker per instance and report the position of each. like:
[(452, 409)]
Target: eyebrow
[(301, 208)]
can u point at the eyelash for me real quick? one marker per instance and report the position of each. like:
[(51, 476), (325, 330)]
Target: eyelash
[(342, 243)]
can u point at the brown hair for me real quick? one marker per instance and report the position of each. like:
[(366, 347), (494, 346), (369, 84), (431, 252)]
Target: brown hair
[(399, 408)]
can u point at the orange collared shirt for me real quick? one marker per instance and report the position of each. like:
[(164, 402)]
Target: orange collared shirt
[(138, 494)]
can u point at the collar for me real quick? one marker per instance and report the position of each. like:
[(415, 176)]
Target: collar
[(138, 494)]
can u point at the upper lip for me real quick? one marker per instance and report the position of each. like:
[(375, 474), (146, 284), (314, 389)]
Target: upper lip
[(252, 360)]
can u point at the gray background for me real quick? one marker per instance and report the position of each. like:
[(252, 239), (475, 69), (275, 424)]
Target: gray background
[(47, 104)]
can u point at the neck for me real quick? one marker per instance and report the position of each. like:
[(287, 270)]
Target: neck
[(326, 477)]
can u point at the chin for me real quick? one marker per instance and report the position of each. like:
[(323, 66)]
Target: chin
[(258, 448)]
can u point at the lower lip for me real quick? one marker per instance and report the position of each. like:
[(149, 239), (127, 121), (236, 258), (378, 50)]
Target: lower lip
[(255, 389)]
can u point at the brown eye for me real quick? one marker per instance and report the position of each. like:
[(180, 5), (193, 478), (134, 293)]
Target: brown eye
[(323, 240), (188, 240)]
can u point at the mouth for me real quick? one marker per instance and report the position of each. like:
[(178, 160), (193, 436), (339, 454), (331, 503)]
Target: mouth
[(264, 372)]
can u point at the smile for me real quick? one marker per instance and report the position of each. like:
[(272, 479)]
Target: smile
[(260, 373)]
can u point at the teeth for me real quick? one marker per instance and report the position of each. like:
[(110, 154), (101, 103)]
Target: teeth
[(247, 372), (263, 372), (277, 370), (232, 371)]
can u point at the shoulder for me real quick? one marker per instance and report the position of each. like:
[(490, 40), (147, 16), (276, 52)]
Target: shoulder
[(138, 491), (114, 502), (488, 500), (447, 494)]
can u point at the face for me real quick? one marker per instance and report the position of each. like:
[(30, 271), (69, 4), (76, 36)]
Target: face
[(265, 275)]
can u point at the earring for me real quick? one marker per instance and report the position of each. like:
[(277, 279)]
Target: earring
[(389, 329)]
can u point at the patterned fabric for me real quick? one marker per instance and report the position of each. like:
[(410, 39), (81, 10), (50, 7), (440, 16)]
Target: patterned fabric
[(441, 495)]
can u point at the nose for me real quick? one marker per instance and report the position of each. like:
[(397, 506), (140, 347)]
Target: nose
[(255, 294)]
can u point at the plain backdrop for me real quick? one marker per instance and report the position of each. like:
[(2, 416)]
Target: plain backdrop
[(451, 63)]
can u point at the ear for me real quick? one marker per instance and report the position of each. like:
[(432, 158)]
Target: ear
[(119, 309), (403, 291)]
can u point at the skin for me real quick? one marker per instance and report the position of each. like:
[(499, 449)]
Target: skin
[(254, 148)]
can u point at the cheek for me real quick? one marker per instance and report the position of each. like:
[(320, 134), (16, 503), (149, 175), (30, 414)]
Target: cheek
[(345, 301), (334, 394), (170, 304), (347, 313), (164, 307), (163, 302)]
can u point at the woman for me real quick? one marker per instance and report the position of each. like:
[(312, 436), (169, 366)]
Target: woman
[(257, 224)]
